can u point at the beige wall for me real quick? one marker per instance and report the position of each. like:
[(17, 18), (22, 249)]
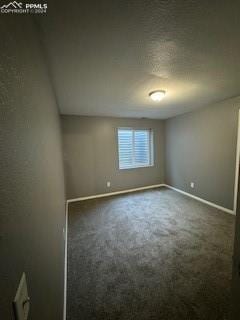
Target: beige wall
[(32, 211), (91, 155), (201, 148)]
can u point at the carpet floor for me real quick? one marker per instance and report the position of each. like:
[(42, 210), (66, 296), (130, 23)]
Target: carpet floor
[(152, 255)]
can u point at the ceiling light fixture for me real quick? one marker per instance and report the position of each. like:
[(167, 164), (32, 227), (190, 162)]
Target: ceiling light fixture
[(157, 95)]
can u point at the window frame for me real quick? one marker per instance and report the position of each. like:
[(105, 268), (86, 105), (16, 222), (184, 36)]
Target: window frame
[(151, 147)]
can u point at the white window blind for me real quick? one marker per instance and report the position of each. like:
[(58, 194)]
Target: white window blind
[(135, 148)]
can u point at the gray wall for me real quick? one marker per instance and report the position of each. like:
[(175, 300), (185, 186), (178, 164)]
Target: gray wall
[(201, 147), (91, 155), (32, 187)]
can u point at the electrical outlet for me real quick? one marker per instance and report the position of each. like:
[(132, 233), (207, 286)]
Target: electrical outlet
[(192, 184), (21, 303), (108, 184)]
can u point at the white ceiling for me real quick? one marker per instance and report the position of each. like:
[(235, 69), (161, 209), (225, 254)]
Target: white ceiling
[(106, 56)]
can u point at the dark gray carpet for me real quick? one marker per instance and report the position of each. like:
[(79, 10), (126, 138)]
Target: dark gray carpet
[(152, 255)]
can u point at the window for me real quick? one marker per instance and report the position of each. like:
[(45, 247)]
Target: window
[(135, 148)]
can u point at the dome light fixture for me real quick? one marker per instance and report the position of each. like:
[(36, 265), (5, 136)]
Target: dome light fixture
[(157, 95)]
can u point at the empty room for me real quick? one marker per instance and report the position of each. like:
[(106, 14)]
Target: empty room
[(120, 147)]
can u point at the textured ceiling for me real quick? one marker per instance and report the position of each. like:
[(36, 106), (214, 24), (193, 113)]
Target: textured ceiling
[(106, 56)]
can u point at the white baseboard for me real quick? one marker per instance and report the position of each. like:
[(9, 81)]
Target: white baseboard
[(201, 200), (65, 265), (152, 187), (115, 193)]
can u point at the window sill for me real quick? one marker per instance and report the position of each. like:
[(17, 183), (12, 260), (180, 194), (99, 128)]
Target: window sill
[(137, 167)]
